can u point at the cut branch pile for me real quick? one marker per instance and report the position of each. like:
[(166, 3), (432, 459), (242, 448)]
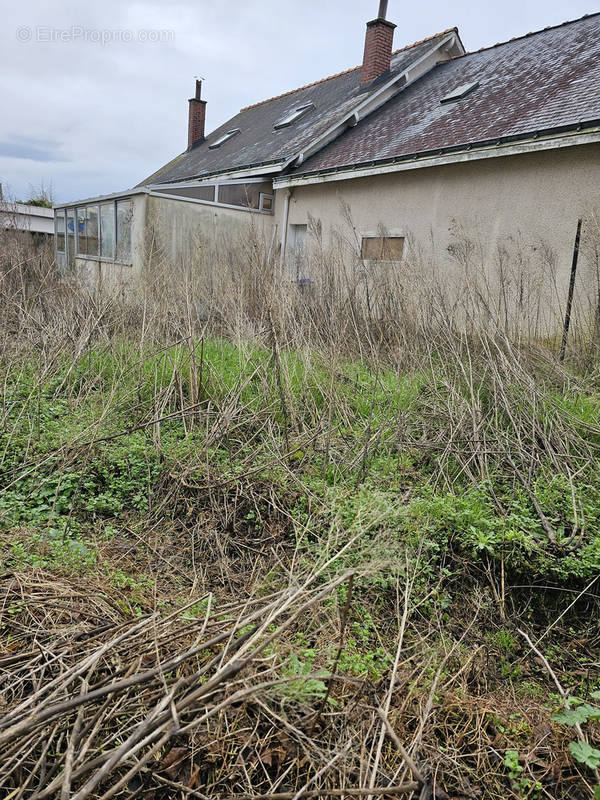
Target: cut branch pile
[(96, 703)]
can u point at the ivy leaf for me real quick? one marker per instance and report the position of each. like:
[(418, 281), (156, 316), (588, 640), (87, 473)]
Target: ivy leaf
[(585, 754), (596, 695)]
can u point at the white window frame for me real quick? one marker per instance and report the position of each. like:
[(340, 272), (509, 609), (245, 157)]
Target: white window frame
[(84, 256), (261, 200), (161, 190)]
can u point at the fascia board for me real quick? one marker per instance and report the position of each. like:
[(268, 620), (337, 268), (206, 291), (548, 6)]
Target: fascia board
[(532, 145)]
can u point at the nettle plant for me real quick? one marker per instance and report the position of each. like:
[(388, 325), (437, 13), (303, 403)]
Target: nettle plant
[(578, 712)]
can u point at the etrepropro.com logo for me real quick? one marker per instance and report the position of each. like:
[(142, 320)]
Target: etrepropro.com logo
[(79, 33)]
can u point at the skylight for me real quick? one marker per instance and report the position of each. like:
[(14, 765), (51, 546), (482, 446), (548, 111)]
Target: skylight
[(460, 92), (229, 135), (293, 115)]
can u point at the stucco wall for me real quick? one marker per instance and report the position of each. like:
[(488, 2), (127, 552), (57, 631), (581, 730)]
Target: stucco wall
[(178, 231), (494, 216), (175, 233)]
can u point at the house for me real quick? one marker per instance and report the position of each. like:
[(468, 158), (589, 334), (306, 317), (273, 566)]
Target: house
[(35, 222), (429, 148)]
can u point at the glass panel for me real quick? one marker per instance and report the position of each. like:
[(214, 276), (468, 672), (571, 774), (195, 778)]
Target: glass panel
[(237, 195), (81, 238), (70, 237), (245, 195), (197, 192), (382, 248), (124, 216), (91, 229), (229, 135), (107, 230), (59, 230), (293, 115)]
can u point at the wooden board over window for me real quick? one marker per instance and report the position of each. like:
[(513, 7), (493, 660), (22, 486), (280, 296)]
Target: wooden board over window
[(382, 248)]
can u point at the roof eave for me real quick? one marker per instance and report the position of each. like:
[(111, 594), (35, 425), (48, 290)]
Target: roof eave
[(266, 168), (549, 139), (101, 198)]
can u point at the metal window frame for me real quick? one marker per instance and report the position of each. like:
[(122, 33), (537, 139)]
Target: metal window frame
[(293, 115), (97, 207), (75, 208), (113, 205), (262, 196), (160, 190), (120, 260), (459, 92), (58, 213), (78, 254), (224, 139)]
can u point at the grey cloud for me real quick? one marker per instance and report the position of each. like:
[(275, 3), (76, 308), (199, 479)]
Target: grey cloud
[(24, 147), (116, 111)]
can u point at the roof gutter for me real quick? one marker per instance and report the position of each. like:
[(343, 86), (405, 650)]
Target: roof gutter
[(551, 139), (265, 168), (101, 198)]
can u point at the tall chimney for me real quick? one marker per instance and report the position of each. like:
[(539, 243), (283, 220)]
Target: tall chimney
[(197, 117), (378, 46)]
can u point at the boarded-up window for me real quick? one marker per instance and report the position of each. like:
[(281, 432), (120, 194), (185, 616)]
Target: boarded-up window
[(382, 248)]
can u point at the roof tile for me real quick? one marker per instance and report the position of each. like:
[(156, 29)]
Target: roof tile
[(549, 79), (259, 143)]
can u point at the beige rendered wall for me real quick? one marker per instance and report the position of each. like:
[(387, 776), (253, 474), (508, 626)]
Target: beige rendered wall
[(178, 231), (175, 233), (512, 216)]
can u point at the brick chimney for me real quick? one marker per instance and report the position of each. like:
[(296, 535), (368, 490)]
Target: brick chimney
[(197, 117), (378, 46)]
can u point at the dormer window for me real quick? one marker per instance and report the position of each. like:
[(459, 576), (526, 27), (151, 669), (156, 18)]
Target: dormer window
[(460, 92), (293, 115), (229, 135)]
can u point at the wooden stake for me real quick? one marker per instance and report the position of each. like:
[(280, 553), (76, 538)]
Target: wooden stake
[(563, 345)]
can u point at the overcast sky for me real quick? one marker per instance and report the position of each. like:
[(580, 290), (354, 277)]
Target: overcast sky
[(94, 95)]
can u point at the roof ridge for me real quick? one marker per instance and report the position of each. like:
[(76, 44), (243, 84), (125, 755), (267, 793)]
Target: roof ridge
[(531, 33), (346, 71)]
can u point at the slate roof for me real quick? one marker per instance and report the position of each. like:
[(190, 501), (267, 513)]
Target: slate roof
[(258, 143), (543, 81)]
